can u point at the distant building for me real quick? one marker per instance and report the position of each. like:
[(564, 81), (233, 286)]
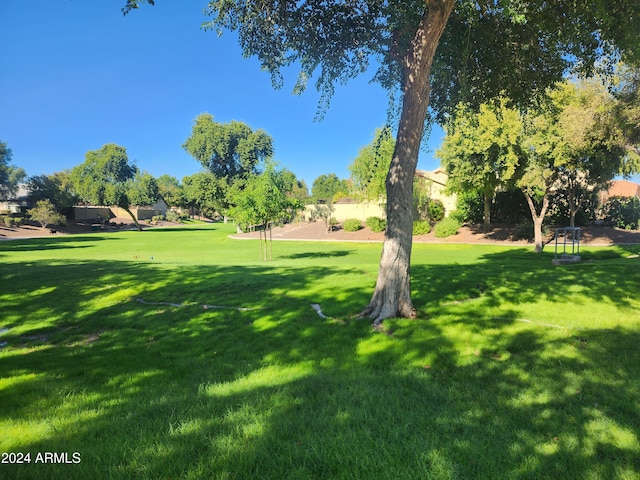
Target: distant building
[(621, 188), (19, 202), (350, 208), (438, 179), (95, 212)]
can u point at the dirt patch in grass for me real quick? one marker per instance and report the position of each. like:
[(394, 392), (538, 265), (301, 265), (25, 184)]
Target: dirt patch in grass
[(499, 234), (467, 234)]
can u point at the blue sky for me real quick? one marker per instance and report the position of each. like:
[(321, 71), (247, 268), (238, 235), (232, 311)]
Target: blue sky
[(77, 74)]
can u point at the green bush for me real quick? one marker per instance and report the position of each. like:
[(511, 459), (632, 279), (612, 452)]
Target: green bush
[(172, 216), (621, 212), (352, 225), (523, 231), (458, 215), (436, 210), (447, 227), (8, 221), (376, 224), (421, 227), (156, 218)]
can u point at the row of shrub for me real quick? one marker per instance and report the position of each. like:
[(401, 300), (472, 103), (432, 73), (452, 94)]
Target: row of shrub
[(11, 221), (170, 216), (444, 228), (510, 208)]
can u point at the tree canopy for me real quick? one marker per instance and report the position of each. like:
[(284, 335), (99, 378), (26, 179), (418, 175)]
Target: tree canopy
[(627, 114), (326, 186), (369, 169), (205, 193), (45, 214), (228, 150), (263, 199), (596, 147), (482, 151), (571, 144), (57, 188), (10, 175), (107, 178), (170, 190), (433, 54)]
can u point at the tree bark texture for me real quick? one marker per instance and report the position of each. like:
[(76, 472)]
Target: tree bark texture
[(487, 196), (537, 221), (574, 205), (135, 220), (392, 294)]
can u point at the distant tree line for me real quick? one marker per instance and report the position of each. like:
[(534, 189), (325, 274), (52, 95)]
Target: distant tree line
[(557, 156), (505, 164)]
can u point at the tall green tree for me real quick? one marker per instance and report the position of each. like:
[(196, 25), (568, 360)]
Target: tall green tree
[(595, 146), (45, 214), (57, 188), (170, 190), (107, 178), (205, 194), (300, 191), (547, 151), (10, 175), (262, 200), (626, 114), (142, 190), (369, 169), (433, 54), (326, 186), (228, 150), (482, 150)]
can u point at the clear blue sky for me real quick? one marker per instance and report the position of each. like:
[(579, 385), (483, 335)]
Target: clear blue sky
[(77, 74)]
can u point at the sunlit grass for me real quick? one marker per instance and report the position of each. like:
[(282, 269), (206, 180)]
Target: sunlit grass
[(178, 354)]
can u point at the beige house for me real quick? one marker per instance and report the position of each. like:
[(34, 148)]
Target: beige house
[(622, 188), (438, 179), (349, 208), (18, 202)]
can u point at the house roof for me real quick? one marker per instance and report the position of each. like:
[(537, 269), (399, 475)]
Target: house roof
[(437, 176), (624, 188)]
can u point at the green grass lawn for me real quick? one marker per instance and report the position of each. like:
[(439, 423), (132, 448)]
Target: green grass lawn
[(515, 369)]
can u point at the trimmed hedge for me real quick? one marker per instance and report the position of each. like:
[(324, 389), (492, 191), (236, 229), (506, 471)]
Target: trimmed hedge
[(352, 225), (421, 227), (447, 227), (376, 224)]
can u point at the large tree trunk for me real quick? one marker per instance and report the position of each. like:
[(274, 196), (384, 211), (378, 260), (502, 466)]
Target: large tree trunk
[(571, 199), (135, 220), (538, 218), (392, 295), (574, 205), (572, 217), (488, 196)]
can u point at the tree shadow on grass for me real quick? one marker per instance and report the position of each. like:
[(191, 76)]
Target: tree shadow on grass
[(323, 254), (207, 228), (517, 276), (158, 391), (51, 243)]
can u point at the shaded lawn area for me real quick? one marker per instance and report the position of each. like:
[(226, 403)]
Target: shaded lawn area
[(514, 368)]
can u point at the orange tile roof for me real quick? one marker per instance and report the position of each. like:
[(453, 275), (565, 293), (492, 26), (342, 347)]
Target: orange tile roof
[(624, 188)]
